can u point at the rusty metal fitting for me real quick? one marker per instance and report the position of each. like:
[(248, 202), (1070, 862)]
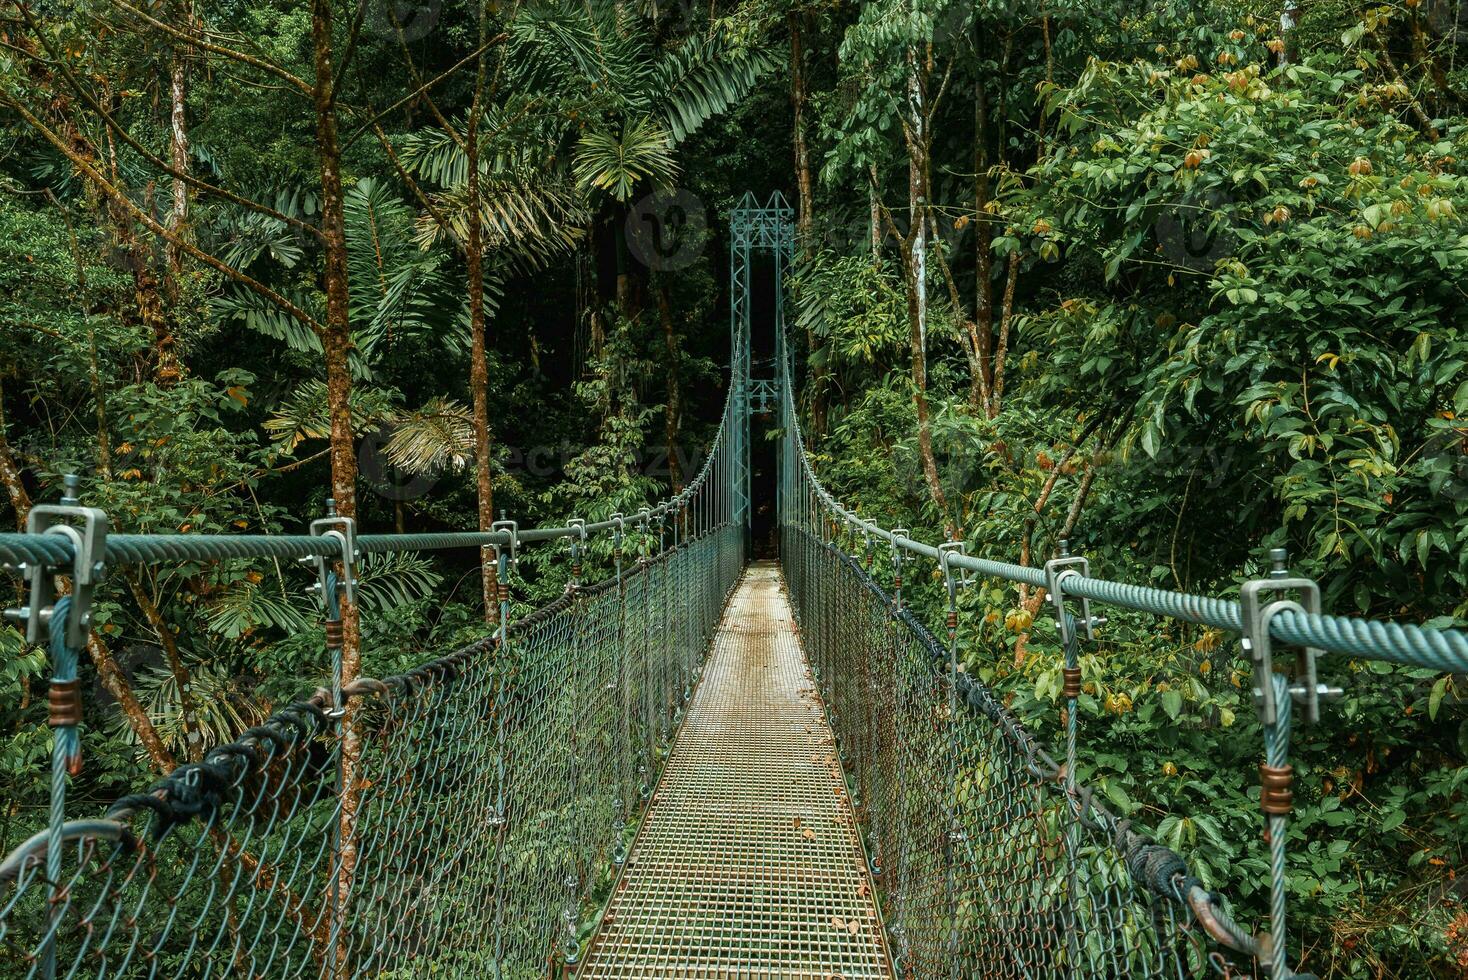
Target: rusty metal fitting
[(952, 620), (1071, 688), (1275, 795), (334, 634), (65, 703), (576, 570)]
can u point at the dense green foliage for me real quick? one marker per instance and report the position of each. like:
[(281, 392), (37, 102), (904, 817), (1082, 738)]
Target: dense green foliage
[(1162, 279), (1229, 294)]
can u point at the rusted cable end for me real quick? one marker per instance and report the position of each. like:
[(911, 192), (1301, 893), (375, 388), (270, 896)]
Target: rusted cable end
[(952, 621), (1276, 797), (1071, 687), (334, 634), (65, 703)]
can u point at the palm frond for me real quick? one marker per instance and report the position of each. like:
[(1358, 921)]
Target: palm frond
[(256, 313), (617, 162), (437, 436), (247, 605), (222, 706), (528, 217), (385, 581), (304, 415), (583, 49), (398, 289), (702, 79)]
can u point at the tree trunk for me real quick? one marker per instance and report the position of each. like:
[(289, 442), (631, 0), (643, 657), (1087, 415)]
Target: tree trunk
[(983, 380), (1001, 348), (117, 685), (804, 215), (798, 98), (20, 500), (675, 385), (188, 708), (336, 341), (179, 157), (874, 205), (478, 363), (915, 273)]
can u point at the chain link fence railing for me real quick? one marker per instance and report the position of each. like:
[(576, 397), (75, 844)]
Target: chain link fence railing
[(496, 789), (987, 862)]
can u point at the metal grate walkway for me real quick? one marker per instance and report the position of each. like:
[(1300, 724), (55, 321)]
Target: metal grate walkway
[(747, 866)]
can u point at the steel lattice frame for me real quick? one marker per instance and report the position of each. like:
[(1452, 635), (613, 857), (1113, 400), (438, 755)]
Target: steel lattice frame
[(754, 228)]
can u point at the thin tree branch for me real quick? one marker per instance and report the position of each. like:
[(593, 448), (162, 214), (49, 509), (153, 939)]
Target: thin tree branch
[(200, 185), (86, 170), (232, 54)]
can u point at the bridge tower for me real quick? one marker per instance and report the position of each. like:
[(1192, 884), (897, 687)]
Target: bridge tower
[(755, 228)]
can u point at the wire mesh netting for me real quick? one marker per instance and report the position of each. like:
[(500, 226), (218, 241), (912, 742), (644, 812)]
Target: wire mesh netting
[(987, 864), (492, 791)]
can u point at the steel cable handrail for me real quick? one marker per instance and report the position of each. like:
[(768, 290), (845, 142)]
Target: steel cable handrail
[(1405, 643), (155, 549)]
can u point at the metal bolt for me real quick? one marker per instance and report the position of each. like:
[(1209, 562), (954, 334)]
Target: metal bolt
[(71, 482), (330, 506), (1278, 558)]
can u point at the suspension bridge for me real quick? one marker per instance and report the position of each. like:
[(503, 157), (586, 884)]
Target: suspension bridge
[(693, 766)]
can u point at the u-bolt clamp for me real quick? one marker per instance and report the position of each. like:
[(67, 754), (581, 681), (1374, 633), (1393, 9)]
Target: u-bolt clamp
[(946, 551), (644, 517), (618, 533), (513, 529), (1057, 570), (1259, 602), (86, 529), (899, 554), (344, 531), (578, 545)]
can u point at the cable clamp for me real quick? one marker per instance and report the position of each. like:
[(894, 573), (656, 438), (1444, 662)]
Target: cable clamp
[(1259, 602), (946, 551), (578, 544), (1057, 570), (513, 528), (86, 530), (899, 553), (619, 532), (344, 531)]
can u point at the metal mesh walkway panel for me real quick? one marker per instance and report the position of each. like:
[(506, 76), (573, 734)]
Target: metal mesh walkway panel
[(748, 864)]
